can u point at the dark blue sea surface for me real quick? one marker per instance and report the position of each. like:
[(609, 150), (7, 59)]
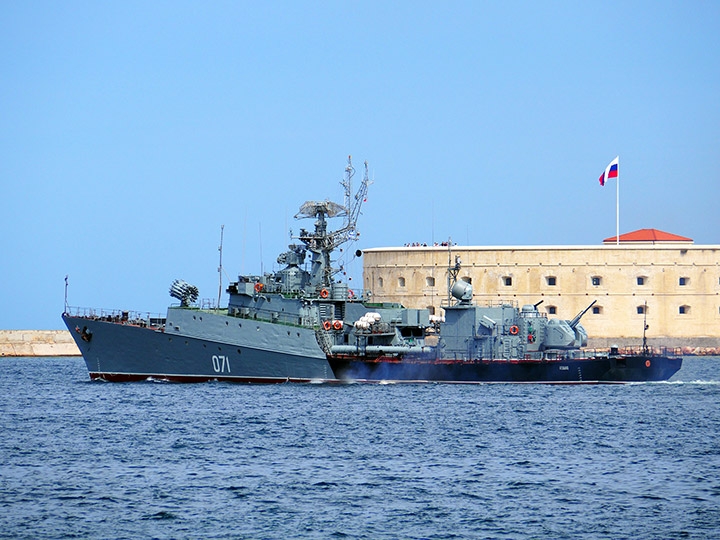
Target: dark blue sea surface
[(81, 459)]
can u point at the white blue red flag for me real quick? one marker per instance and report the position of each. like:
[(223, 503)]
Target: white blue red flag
[(611, 171)]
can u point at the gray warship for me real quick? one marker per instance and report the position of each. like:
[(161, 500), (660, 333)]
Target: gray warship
[(301, 324)]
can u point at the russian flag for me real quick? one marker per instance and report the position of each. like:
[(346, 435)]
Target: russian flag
[(611, 171)]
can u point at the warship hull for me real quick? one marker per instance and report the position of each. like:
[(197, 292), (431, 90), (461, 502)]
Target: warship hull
[(599, 369), (123, 352)]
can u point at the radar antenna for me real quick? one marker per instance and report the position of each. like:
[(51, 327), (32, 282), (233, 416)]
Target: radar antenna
[(321, 243)]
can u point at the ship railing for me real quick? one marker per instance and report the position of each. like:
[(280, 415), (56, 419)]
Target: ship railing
[(499, 302), (651, 351), (581, 354), (288, 319), (135, 318)]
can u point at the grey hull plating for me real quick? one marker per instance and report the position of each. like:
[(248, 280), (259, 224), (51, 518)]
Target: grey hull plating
[(125, 352)]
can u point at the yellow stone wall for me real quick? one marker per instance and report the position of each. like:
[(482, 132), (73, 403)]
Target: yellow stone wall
[(618, 294)]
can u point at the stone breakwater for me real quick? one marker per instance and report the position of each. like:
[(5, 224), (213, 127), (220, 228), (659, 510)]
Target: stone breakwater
[(37, 343)]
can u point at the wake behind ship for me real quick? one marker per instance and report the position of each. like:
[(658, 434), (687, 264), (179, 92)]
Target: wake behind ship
[(300, 324)]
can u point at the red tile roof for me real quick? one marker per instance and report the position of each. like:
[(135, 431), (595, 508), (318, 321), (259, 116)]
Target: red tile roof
[(648, 235)]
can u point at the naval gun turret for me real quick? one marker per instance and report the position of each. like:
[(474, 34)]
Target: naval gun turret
[(564, 334)]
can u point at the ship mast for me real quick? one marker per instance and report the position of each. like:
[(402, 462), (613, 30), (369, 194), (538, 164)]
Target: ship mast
[(321, 243), (222, 230)]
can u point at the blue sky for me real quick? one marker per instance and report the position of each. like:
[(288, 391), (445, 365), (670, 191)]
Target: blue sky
[(131, 131)]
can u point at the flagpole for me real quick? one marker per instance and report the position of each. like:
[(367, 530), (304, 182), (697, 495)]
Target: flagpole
[(617, 211)]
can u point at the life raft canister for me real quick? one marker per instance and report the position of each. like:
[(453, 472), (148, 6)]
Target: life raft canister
[(324, 293), (514, 330), (337, 325), (327, 325), (258, 287)]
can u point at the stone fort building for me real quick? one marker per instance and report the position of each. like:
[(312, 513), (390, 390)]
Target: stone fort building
[(651, 276)]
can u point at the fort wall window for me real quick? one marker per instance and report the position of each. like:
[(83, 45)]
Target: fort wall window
[(597, 310), (380, 282), (467, 279), (507, 281), (552, 310), (552, 281), (684, 281), (596, 281), (684, 310), (430, 281), (641, 309), (641, 280), (401, 281)]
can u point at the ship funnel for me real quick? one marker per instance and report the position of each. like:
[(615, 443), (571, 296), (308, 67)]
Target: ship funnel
[(462, 290)]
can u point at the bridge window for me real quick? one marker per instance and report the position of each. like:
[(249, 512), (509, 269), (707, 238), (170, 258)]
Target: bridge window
[(507, 281), (596, 280), (430, 281), (552, 281), (401, 281)]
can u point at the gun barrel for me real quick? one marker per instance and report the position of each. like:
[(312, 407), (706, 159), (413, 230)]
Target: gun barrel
[(577, 318)]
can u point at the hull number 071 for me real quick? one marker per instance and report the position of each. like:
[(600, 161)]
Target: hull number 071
[(221, 363)]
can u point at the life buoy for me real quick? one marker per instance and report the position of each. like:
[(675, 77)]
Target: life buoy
[(327, 325), (350, 293), (647, 363), (324, 293), (337, 325), (531, 338), (258, 287), (514, 330)]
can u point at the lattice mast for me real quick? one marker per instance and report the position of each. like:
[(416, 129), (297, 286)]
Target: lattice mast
[(321, 243)]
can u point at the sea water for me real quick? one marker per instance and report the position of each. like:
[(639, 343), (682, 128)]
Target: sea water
[(82, 459)]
